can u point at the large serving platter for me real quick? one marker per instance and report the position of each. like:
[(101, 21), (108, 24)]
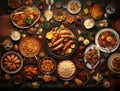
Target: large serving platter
[(25, 16), (61, 53)]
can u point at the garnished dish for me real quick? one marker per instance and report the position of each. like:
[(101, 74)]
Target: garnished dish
[(96, 11), (30, 71), (60, 15), (47, 65), (11, 62), (114, 62), (91, 56), (25, 16), (107, 40), (74, 6), (60, 41), (29, 46), (66, 70)]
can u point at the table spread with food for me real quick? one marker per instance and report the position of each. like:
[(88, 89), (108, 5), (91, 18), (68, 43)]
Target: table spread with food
[(60, 44)]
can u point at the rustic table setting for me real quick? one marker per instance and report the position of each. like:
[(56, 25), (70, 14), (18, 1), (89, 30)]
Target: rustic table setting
[(60, 44)]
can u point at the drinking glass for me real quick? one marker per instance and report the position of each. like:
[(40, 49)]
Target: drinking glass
[(49, 3), (109, 11)]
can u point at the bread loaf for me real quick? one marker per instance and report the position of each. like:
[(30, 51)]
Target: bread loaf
[(78, 81)]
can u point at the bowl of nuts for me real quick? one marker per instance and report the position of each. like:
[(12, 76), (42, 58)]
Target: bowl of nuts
[(47, 65)]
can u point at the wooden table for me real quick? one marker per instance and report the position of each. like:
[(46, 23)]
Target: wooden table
[(8, 26)]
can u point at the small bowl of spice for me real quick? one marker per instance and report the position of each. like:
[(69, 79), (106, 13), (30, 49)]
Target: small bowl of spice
[(70, 19)]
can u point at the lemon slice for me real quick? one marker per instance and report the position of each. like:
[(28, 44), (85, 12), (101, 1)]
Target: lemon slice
[(49, 35)]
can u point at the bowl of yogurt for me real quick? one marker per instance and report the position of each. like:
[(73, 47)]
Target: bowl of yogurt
[(15, 35)]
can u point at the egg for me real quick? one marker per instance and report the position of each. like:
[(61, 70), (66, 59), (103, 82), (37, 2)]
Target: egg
[(86, 42)]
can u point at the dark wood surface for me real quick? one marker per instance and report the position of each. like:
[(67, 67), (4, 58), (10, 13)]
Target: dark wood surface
[(6, 26)]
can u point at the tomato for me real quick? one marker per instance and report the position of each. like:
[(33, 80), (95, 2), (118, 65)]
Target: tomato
[(35, 17), (16, 17), (20, 23), (23, 17)]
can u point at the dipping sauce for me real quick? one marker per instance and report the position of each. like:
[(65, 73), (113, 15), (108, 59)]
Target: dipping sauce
[(48, 14), (15, 35)]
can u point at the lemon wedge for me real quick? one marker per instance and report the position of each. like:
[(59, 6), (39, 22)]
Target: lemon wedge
[(49, 35)]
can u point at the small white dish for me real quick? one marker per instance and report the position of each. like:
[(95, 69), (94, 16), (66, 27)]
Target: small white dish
[(15, 35)]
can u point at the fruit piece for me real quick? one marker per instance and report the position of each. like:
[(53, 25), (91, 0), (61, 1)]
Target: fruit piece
[(66, 83), (109, 38), (42, 54), (47, 78), (42, 19), (62, 27), (86, 42), (86, 11), (49, 35), (7, 77), (15, 47), (36, 12), (41, 6)]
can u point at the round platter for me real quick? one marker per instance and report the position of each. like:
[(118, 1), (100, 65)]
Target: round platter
[(74, 6), (107, 40), (61, 53), (47, 65), (25, 16), (114, 65), (29, 46), (66, 70), (14, 59), (60, 15)]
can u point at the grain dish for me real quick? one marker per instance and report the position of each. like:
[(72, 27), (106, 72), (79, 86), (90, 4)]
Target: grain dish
[(66, 69)]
